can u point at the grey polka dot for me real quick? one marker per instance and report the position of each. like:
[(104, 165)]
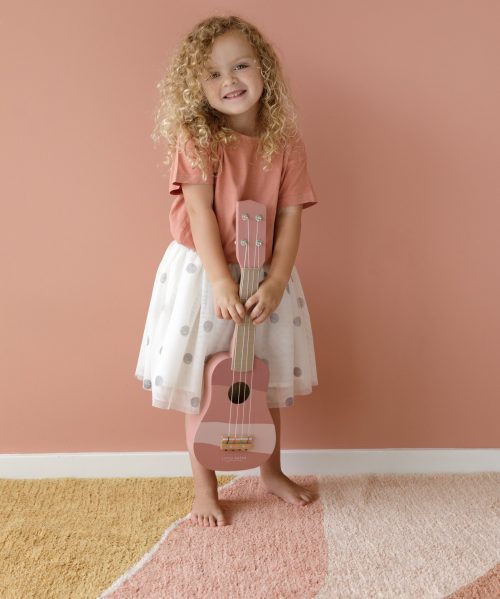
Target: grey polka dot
[(159, 351), (208, 325), (266, 361), (297, 321), (297, 371), (300, 301), (191, 267), (163, 277), (158, 380), (195, 402), (184, 330), (147, 340), (147, 384), (274, 317), (188, 358), (289, 401), (288, 288)]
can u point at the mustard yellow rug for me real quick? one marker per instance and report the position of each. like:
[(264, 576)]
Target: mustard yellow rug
[(70, 538)]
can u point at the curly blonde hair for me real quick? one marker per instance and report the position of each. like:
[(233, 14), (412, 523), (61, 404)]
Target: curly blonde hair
[(185, 114)]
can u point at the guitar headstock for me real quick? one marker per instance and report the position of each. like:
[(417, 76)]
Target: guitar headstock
[(250, 233)]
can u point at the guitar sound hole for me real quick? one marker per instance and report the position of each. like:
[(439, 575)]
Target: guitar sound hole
[(238, 392)]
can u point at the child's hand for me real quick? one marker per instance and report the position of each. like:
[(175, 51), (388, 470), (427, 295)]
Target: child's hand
[(227, 301), (266, 299)]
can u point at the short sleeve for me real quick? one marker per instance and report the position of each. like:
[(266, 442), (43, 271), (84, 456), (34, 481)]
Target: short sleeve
[(181, 170), (295, 185)]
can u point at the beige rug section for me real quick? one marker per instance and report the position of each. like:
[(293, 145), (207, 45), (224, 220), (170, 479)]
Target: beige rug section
[(71, 538), (412, 536)]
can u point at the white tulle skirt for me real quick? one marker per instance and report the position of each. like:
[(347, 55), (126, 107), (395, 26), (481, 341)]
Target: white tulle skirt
[(182, 330)]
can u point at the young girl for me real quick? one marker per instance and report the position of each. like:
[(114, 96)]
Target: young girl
[(227, 116)]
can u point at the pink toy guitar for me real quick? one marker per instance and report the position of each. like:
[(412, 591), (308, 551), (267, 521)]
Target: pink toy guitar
[(234, 429)]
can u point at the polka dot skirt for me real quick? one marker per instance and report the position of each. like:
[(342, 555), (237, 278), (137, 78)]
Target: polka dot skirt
[(182, 331)]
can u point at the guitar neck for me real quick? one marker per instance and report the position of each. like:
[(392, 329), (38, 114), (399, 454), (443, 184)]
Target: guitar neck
[(244, 334)]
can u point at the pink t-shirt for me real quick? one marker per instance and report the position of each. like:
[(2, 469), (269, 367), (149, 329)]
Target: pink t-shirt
[(240, 177)]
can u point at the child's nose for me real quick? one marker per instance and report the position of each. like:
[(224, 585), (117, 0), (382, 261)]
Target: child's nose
[(230, 79)]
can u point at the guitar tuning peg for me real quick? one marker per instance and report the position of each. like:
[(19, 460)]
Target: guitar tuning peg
[(259, 217)]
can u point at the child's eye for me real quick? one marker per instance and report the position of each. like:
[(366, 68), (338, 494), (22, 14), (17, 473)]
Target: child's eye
[(211, 75)]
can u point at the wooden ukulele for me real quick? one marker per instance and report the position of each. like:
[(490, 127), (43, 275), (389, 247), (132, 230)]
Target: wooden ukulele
[(234, 429)]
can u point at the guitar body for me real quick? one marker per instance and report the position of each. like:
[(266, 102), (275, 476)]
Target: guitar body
[(225, 410), (234, 429)]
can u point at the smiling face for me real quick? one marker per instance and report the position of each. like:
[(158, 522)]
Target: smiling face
[(233, 66)]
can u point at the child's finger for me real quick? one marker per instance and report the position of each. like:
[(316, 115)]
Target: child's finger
[(240, 309), (261, 317), (257, 311), (251, 301), (234, 314)]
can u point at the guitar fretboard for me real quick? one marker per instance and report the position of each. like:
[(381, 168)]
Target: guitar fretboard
[(243, 351)]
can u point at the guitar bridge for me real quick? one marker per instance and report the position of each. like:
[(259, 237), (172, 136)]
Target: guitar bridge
[(236, 442)]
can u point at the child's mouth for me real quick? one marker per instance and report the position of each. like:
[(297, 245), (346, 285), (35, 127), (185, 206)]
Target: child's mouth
[(234, 97)]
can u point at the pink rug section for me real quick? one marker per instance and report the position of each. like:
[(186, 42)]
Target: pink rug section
[(485, 587), (266, 537)]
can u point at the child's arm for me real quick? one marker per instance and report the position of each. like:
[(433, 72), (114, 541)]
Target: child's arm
[(286, 245), (206, 237)]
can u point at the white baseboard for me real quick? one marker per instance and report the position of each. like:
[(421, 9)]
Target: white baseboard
[(294, 462)]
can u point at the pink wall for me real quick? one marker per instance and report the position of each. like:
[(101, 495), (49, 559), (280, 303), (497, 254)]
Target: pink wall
[(400, 112)]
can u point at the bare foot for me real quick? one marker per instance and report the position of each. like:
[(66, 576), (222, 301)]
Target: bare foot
[(206, 509), (279, 484)]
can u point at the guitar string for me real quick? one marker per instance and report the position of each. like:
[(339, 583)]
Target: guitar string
[(234, 351), (244, 357), (246, 338), (256, 272)]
